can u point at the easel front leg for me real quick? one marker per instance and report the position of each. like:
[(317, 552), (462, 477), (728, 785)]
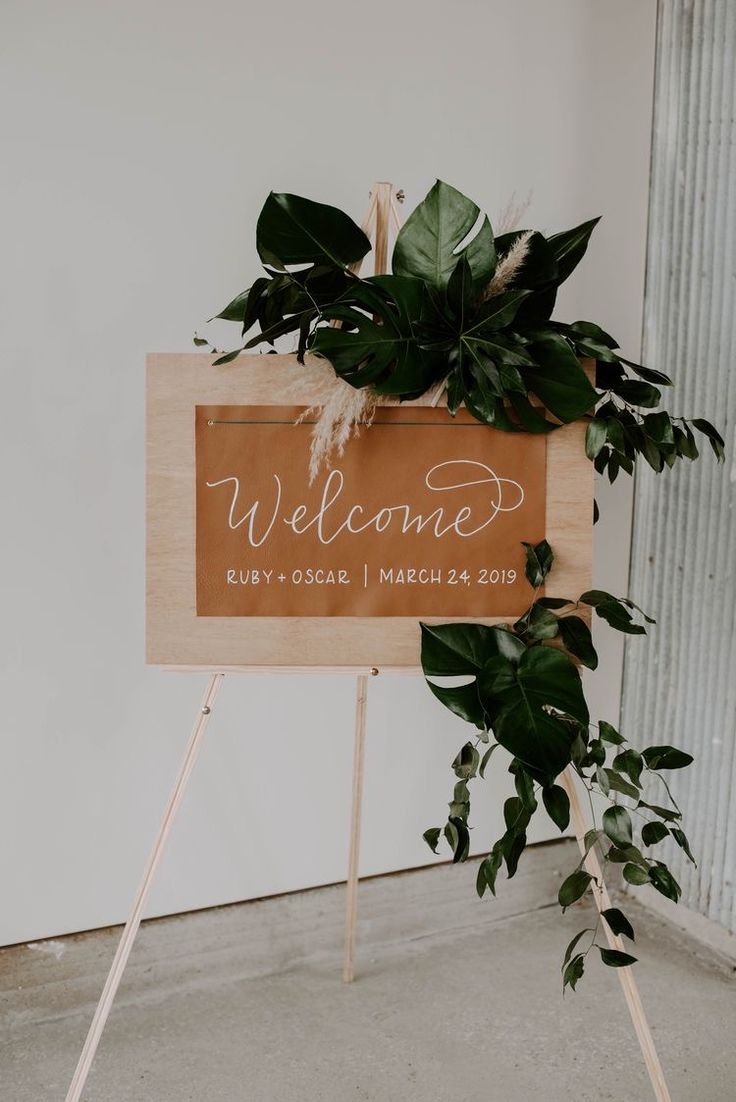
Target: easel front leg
[(134, 920), (351, 909), (625, 975)]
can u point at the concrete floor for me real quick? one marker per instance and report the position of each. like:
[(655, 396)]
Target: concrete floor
[(454, 1000)]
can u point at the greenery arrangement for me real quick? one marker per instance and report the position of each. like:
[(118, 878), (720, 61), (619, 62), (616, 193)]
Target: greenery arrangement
[(471, 313)]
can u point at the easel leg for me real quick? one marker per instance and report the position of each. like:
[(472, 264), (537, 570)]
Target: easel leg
[(351, 912), (134, 920), (625, 975)]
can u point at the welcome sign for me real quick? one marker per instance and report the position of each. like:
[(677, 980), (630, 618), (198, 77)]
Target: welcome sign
[(422, 518), (423, 515)]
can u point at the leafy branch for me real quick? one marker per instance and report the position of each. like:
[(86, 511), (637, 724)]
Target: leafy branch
[(466, 310), (528, 695)]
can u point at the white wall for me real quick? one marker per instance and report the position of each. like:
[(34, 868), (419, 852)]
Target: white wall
[(140, 140)]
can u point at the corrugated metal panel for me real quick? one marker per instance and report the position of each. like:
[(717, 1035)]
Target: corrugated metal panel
[(680, 684)]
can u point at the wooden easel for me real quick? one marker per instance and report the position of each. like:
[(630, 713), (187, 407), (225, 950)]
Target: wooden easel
[(381, 220)]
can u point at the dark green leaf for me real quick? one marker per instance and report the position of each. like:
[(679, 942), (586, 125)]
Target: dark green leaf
[(294, 230), (557, 804), (574, 887), (609, 734), (489, 868), (432, 837), (715, 439), (595, 437), (612, 610), (427, 244), (682, 842), (568, 247), (573, 972), (539, 559), (462, 844), (630, 762), (518, 698), (466, 763), (617, 825), (451, 649), (618, 923), (664, 882), (378, 345), (663, 812), (633, 874), (648, 373), (558, 380), (227, 358), (666, 757), (573, 943), (485, 759), (651, 833), (638, 394), (614, 958), (235, 310), (578, 640), (537, 623), (462, 701), (618, 784)]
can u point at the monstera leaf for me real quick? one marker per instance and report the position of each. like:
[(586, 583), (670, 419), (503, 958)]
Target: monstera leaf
[(294, 230), (377, 343), (463, 649), (519, 697), (429, 243), (449, 650)]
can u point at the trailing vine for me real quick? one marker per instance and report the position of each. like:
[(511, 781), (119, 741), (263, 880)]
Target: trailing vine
[(528, 698), (468, 314)]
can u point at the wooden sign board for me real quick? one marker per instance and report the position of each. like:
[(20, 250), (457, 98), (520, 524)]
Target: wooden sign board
[(250, 565)]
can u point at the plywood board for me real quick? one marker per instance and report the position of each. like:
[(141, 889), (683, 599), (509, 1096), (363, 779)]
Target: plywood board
[(177, 636)]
